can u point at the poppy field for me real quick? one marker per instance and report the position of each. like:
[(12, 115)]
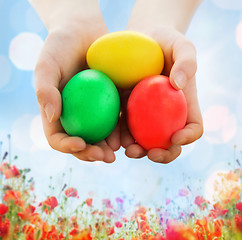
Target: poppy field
[(22, 216)]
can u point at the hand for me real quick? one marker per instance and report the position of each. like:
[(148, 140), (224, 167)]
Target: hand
[(180, 66), (71, 31)]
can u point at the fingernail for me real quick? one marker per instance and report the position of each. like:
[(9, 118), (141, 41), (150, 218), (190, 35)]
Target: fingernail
[(49, 111), (180, 80)]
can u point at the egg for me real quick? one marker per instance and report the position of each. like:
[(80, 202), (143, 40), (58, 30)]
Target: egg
[(155, 111), (90, 106), (126, 57)]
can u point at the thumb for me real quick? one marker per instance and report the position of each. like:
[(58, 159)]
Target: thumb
[(185, 63), (49, 99), (47, 79)]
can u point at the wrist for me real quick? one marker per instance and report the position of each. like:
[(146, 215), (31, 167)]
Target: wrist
[(174, 13), (62, 13)]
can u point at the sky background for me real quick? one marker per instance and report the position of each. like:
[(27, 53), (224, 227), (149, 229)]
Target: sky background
[(216, 31)]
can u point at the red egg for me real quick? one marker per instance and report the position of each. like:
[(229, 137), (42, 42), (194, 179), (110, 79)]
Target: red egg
[(155, 111)]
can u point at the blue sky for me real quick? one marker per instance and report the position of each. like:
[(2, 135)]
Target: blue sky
[(217, 35)]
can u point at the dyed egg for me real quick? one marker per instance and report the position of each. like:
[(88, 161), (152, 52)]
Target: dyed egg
[(155, 111), (126, 57), (90, 106)]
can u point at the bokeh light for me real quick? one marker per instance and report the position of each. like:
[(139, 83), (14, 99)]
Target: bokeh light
[(5, 71), (220, 124), (209, 185), (229, 4), (218, 181), (33, 21), (142, 181), (239, 35), (187, 149), (37, 134), (25, 49), (20, 133), (198, 162), (54, 162)]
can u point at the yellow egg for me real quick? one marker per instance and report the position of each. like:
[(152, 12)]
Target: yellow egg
[(126, 57)]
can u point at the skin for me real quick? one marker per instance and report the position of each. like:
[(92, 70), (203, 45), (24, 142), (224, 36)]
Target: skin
[(63, 55), (180, 58), (166, 24)]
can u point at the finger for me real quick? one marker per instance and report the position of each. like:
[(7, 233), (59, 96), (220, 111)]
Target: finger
[(194, 126), (113, 140), (185, 63), (47, 80), (47, 77), (125, 135), (164, 156), (54, 69), (91, 153), (135, 151), (189, 134), (109, 155), (58, 139)]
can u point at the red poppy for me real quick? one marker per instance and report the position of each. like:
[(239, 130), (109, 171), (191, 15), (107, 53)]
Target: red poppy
[(50, 233), (110, 231), (74, 231), (239, 206), (12, 196), (144, 227), (89, 202), (179, 231), (217, 211), (217, 232), (71, 192), (27, 213), (201, 202), (118, 224), (9, 171), (201, 228), (74, 223), (208, 229), (140, 210), (3, 209), (238, 222), (28, 230), (4, 227), (36, 219), (85, 234), (49, 204)]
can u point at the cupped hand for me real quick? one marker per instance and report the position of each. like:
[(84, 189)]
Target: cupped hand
[(180, 66), (63, 55)]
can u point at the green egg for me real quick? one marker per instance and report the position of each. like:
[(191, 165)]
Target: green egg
[(90, 106)]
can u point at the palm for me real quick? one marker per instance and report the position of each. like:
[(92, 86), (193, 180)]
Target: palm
[(179, 53), (62, 57)]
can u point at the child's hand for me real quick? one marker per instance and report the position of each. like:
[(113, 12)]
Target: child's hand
[(71, 31), (180, 66)]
